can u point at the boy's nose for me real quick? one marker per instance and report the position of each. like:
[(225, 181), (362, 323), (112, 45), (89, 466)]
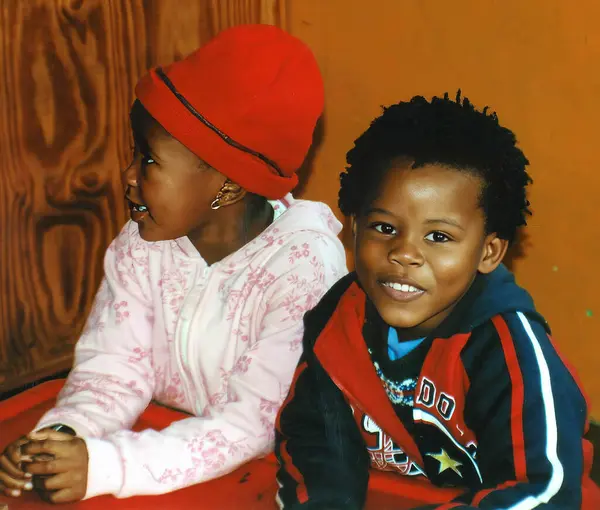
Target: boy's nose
[(405, 253)]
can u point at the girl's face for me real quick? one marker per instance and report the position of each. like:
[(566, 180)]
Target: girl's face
[(420, 244), (169, 189)]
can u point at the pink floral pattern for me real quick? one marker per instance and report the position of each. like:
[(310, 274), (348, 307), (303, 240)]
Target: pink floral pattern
[(219, 342), (121, 312), (298, 253)]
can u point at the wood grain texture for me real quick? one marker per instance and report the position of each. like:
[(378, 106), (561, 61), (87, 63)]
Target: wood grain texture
[(67, 73)]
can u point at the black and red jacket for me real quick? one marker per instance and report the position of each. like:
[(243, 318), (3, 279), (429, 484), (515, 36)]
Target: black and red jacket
[(495, 412)]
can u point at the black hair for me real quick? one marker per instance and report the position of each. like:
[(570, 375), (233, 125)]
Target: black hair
[(141, 119), (444, 132)]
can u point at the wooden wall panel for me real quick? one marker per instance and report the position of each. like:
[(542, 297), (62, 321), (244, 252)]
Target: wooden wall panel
[(67, 72)]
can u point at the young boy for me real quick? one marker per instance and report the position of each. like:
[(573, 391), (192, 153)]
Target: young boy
[(429, 361)]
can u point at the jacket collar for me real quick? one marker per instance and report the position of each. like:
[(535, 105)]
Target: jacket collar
[(342, 351)]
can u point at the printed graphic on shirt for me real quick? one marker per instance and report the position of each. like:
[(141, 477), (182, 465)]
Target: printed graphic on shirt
[(446, 462), (429, 396), (385, 455), (399, 392)]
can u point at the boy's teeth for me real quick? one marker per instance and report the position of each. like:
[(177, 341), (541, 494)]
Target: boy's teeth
[(402, 287)]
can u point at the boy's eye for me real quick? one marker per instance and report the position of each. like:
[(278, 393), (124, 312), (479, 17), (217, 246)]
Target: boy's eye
[(437, 237), (384, 228)]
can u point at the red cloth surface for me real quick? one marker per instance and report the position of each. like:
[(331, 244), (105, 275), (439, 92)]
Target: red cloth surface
[(251, 487)]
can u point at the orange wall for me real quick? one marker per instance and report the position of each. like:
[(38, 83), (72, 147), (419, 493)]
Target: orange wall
[(537, 63)]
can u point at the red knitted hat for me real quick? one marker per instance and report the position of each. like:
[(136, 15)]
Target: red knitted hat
[(246, 103)]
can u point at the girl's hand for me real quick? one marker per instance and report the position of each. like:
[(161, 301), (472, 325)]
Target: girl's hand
[(13, 479), (63, 478)]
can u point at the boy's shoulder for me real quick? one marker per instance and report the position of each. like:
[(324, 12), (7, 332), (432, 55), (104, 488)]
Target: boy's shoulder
[(316, 319), (495, 316), (505, 341), (496, 295)]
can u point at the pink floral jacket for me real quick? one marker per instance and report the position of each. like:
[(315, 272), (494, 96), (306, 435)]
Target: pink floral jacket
[(220, 342)]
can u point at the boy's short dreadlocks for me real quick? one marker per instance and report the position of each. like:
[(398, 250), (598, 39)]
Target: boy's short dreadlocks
[(444, 132)]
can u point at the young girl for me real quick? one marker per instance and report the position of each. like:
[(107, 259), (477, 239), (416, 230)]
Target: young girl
[(204, 292)]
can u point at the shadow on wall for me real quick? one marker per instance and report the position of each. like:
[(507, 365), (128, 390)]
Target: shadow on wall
[(518, 250), (307, 167), (593, 436), (7, 394)]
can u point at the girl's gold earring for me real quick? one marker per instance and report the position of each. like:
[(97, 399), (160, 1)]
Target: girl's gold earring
[(216, 204)]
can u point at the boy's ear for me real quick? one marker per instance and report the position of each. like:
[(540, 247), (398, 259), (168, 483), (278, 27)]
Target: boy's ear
[(353, 225), (493, 252)]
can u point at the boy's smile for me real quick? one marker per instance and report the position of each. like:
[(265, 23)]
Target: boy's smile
[(420, 244), (402, 289)]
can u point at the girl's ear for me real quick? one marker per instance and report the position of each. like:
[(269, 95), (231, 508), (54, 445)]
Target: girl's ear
[(492, 254), (229, 194)]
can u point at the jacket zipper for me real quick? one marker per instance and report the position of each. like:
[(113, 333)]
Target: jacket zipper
[(359, 407), (182, 337)]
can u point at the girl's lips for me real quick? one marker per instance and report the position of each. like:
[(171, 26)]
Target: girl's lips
[(137, 215), (138, 212)]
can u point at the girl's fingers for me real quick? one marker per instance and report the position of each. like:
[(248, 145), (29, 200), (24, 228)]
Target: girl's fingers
[(49, 434), (11, 469), (53, 467), (11, 484), (47, 446), (13, 493), (14, 453)]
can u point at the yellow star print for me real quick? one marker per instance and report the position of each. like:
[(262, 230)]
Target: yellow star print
[(446, 462)]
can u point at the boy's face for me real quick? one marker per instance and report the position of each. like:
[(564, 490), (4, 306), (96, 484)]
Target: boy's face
[(420, 244), (172, 183)]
